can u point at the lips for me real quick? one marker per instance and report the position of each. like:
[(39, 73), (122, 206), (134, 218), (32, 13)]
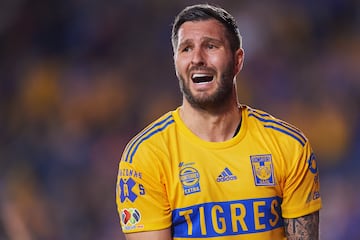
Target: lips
[(202, 77)]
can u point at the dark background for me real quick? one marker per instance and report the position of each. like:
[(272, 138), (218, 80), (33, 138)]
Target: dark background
[(78, 78)]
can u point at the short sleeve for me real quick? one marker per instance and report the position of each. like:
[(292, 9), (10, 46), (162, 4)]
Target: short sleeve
[(140, 192), (301, 194)]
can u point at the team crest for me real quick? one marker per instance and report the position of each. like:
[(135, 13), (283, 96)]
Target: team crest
[(263, 170)]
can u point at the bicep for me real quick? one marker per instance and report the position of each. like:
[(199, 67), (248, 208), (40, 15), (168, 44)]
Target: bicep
[(305, 227), (164, 234), (141, 198)]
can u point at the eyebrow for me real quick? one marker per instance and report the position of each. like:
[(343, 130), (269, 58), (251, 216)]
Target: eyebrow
[(184, 43), (209, 39), (203, 39)]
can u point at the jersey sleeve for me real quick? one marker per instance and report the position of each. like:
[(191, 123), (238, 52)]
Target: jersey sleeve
[(140, 191), (301, 194)]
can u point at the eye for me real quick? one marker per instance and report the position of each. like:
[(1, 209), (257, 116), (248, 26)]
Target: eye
[(185, 49)]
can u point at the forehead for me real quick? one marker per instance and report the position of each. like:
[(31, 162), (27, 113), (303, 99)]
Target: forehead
[(205, 28)]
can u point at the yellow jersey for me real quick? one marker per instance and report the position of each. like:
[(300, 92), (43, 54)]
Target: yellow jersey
[(237, 189)]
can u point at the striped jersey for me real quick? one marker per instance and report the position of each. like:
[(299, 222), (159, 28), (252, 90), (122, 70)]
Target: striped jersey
[(241, 188)]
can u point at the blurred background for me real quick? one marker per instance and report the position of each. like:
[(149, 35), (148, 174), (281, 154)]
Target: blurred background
[(79, 78)]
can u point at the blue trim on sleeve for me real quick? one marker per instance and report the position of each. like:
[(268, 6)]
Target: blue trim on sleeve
[(297, 135), (157, 127), (287, 133)]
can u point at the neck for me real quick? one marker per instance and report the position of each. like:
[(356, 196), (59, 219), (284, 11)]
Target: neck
[(214, 126)]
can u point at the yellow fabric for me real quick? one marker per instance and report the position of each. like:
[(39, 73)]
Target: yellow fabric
[(237, 189)]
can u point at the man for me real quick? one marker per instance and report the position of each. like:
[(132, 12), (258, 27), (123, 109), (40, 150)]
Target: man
[(214, 168)]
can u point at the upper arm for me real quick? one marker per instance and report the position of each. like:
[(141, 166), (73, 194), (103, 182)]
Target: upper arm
[(301, 185), (141, 194), (164, 234), (305, 227)]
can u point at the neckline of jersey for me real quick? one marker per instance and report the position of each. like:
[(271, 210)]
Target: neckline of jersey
[(183, 129)]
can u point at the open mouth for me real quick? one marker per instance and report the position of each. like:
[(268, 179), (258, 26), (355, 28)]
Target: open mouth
[(202, 78)]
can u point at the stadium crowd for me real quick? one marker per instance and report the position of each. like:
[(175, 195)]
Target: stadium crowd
[(79, 78)]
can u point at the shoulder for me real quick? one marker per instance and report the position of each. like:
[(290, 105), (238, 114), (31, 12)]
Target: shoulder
[(271, 125), (149, 138)]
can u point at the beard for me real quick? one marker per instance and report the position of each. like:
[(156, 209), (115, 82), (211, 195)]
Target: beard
[(215, 100)]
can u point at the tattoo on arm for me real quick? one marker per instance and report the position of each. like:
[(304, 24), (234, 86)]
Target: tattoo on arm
[(303, 228)]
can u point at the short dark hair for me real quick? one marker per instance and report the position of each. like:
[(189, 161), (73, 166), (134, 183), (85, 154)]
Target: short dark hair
[(205, 12)]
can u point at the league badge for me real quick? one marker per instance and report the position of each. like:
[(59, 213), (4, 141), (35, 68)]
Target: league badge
[(130, 217), (263, 170)]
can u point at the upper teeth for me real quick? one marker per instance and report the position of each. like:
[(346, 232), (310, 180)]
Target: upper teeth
[(195, 75)]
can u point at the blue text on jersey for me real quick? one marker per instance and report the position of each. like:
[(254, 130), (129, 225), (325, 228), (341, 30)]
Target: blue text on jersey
[(227, 218)]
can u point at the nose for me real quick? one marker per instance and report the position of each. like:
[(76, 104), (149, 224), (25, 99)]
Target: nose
[(198, 58)]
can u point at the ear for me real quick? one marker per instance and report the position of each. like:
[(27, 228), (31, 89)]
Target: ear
[(239, 60)]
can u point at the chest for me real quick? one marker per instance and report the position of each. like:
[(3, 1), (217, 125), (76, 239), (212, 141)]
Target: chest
[(224, 191), (200, 174)]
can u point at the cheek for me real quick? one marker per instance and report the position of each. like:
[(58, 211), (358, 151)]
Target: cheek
[(217, 61), (180, 66)]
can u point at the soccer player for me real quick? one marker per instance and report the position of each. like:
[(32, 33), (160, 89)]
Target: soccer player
[(214, 168)]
